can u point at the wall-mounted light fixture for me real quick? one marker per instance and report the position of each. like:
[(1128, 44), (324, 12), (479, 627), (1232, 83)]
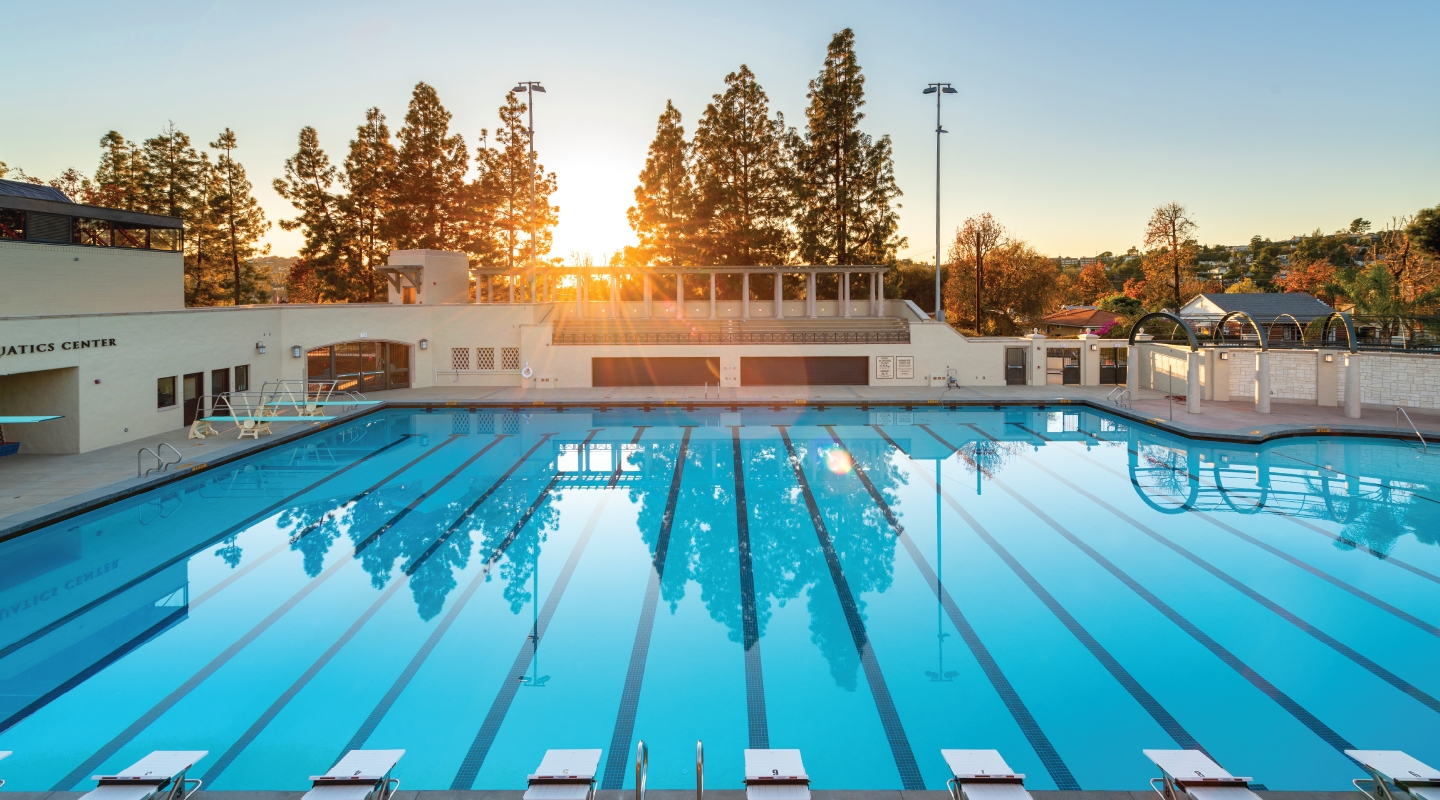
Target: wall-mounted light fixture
[(260, 348), (1094, 347), (424, 344), (1224, 356), (1329, 357), (296, 352)]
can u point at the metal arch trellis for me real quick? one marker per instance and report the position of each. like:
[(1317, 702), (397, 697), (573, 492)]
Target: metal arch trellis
[(1218, 334), (1349, 329), (1139, 326), (1298, 327)]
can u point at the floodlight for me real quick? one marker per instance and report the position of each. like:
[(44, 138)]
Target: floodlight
[(518, 89), (537, 87), (929, 90), (951, 90)]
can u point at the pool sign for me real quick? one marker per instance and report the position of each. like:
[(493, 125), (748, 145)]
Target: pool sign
[(905, 367), (49, 347), (884, 367)]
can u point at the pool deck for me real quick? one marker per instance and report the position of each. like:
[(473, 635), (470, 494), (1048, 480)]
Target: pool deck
[(45, 487), (714, 794)]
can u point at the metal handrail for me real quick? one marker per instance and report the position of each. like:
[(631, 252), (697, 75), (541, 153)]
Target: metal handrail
[(699, 770), (642, 766), (161, 464), (1398, 411), (1119, 395)]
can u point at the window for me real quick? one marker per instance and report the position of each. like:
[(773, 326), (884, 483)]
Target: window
[(129, 235), (242, 378), (94, 232), (12, 224), (484, 358), (459, 358), (165, 392), (407, 295), (509, 358), (164, 238)]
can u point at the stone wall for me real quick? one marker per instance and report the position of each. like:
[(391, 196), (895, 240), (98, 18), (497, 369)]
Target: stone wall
[(1293, 375), (1398, 379)]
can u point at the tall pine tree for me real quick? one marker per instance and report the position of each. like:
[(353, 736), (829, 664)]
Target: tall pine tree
[(241, 220), (844, 180), (504, 185), (309, 178), (119, 180), (741, 178), (664, 212), (369, 172), (428, 190)]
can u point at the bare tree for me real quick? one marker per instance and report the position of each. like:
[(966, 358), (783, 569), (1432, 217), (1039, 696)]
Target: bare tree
[(974, 241), (1170, 227)]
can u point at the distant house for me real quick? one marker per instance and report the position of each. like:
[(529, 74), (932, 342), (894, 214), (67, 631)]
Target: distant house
[(1279, 314), (1073, 320)]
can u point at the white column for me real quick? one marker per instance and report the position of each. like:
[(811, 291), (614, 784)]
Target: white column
[(779, 295), (880, 294), (744, 295), (1262, 382), (510, 282), (614, 295), (1352, 385), (679, 295), (646, 280), (1192, 382), (579, 295), (810, 295), (845, 294), (712, 295), (872, 295)]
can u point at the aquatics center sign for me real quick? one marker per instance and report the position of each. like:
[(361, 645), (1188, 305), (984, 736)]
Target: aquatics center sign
[(47, 347)]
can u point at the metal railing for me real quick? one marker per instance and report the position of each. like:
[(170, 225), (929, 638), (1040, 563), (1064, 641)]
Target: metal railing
[(732, 337), (1120, 396), (642, 766), (160, 464), (1398, 411), (699, 770)]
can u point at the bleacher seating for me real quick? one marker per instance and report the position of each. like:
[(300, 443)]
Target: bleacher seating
[(826, 330)]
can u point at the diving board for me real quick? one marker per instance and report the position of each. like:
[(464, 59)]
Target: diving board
[(21, 420), (327, 403), (238, 420)]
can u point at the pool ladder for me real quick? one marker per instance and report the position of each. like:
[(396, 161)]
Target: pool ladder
[(161, 464), (642, 766), (1119, 396)]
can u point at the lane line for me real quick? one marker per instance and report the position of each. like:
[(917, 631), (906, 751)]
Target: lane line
[(624, 733), (757, 722), (900, 749)]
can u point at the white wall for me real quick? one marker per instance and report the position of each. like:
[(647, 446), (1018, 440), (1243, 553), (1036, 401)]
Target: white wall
[(70, 279)]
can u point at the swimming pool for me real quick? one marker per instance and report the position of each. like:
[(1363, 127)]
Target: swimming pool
[(479, 586)]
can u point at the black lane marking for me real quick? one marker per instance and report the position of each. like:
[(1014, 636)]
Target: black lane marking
[(460, 520), (1296, 710), (884, 705), (758, 723), (888, 440), (620, 460), (109, 749), (238, 746), (1054, 765), (972, 426), (615, 762), (1112, 665), (480, 747), (247, 522), (1042, 437), (414, 504), (85, 674)]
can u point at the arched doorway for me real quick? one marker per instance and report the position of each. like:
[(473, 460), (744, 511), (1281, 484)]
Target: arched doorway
[(365, 365)]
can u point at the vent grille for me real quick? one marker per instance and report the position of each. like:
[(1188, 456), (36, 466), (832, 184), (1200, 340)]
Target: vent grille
[(460, 358), (485, 358), (509, 358), (48, 228)]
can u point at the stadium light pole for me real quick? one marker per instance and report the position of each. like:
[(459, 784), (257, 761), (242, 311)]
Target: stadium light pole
[(938, 89), (530, 88)]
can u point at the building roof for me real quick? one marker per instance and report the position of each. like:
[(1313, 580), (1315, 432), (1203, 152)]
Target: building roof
[(1264, 308), (1080, 318), (34, 191)]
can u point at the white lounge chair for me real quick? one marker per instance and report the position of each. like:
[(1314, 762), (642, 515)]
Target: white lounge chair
[(1191, 774), (3, 755), (358, 775), (158, 776), (983, 775), (1394, 774), (564, 775), (775, 775)]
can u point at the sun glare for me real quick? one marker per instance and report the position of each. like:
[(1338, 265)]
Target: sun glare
[(837, 461)]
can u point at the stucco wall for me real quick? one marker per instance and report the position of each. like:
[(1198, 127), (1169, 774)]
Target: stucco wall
[(44, 278)]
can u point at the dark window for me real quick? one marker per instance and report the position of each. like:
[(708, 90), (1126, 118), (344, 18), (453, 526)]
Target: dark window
[(164, 239), (165, 392), (47, 228), (804, 371), (130, 235), (669, 371), (94, 232), (242, 378), (12, 224)]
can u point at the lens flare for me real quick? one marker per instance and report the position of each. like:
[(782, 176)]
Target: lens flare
[(837, 461)]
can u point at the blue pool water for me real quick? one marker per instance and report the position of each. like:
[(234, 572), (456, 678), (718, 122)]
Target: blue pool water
[(477, 587)]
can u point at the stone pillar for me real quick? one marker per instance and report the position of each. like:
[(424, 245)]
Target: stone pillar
[(1262, 382), (679, 295), (1352, 385), (646, 280), (744, 295), (779, 295), (712, 295), (1192, 381), (810, 295), (1136, 369), (872, 295), (845, 294), (1089, 359), (1036, 351), (880, 295), (1327, 378)]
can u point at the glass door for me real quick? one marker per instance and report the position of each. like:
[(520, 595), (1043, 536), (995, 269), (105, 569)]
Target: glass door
[(193, 386)]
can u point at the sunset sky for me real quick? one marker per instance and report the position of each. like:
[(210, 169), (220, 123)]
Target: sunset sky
[(1072, 120)]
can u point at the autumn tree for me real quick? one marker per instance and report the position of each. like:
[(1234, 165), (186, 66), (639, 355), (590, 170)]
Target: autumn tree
[(428, 188), (1092, 284), (742, 178), (663, 216), (844, 179), (1170, 234), (974, 241)]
